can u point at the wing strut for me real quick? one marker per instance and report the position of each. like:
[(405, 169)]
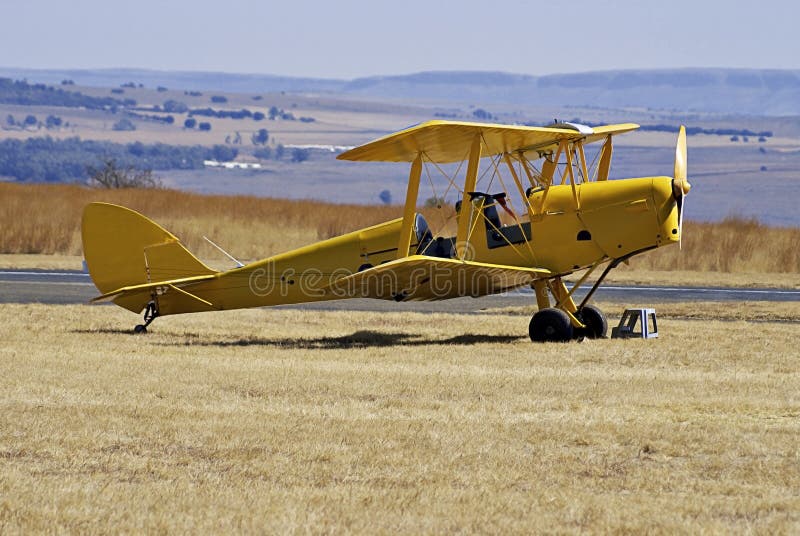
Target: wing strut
[(410, 209), (605, 159), (466, 204)]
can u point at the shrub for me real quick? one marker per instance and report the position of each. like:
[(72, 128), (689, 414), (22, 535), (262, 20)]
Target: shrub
[(300, 155), (53, 121), (263, 153), (110, 175), (223, 153), (124, 124), (175, 107)]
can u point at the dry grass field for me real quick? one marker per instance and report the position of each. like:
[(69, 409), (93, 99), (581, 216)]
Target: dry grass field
[(45, 219), (301, 421)]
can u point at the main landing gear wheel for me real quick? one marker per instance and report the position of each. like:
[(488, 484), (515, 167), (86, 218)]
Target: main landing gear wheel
[(150, 314), (550, 325), (595, 321)]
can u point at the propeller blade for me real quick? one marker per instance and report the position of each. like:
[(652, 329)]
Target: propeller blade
[(680, 186), (680, 220), (680, 155)]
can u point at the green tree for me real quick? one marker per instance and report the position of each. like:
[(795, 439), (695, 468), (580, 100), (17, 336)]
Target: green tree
[(261, 137), (482, 114)]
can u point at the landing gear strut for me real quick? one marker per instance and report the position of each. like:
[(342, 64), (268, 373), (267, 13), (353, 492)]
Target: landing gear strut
[(554, 325), (150, 314), (568, 321)]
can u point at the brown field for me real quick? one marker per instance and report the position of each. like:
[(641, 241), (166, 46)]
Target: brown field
[(45, 219), (337, 121), (300, 421)]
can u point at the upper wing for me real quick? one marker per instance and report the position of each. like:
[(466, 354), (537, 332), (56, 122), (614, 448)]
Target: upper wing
[(449, 141), (420, 277)]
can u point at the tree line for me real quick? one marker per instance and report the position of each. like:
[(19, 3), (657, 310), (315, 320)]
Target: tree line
[(22, 93), (229, 114), (45, 159), (692, 131)]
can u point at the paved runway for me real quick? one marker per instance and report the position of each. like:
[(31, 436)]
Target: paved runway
[(70, 287)]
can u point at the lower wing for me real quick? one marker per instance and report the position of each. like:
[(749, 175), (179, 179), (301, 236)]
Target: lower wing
[(420, 277)]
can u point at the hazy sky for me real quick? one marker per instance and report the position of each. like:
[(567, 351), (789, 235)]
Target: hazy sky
[(350, 38)]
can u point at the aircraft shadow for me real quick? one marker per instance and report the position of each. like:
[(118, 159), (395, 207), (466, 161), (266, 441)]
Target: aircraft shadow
[(112, 331), (359, 339)]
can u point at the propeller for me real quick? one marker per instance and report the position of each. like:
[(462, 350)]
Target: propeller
[(680, 186)]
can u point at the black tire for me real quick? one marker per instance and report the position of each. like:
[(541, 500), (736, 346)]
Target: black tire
[(595, 320), (550, 325), (139, 329)]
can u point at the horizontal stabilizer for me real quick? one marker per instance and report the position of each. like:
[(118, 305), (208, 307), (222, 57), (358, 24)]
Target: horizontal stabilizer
[(420, 277), (160, 288)]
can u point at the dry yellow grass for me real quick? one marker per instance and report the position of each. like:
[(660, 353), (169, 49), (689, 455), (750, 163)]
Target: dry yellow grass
[(46, 219), (634, 275), (34, 261), (292, 421), (733, 245)]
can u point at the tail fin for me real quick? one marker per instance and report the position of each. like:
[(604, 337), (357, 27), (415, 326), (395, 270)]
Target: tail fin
[(122, 248)]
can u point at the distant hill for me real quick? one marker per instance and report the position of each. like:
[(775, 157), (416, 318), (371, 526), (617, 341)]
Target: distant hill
[(747, 91), (742, 91), (184, 80)]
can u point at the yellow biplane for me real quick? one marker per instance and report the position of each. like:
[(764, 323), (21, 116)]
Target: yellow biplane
[(567, 217)]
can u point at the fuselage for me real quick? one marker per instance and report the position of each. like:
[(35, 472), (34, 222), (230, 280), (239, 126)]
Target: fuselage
[(565, 232)]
